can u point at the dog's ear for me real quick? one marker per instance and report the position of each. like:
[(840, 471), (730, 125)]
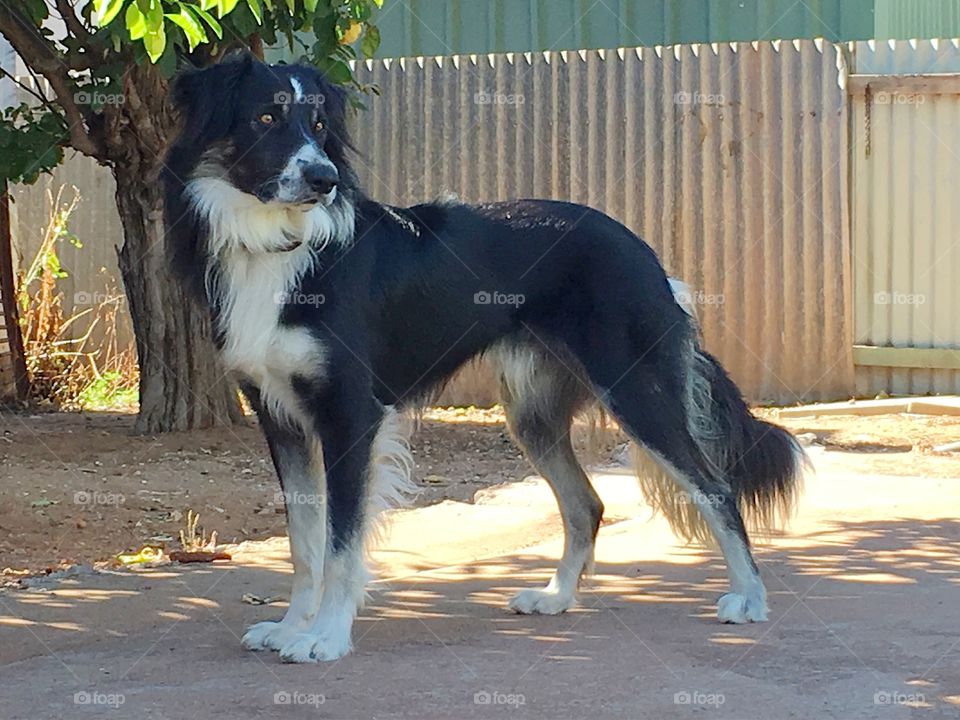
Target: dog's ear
[(206, 97)]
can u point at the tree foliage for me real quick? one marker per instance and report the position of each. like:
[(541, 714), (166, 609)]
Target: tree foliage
[(81, 79)]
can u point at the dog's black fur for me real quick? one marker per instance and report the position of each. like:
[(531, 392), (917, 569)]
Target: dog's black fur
[(414, 293)]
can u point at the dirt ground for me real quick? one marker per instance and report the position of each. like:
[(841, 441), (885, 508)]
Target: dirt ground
[(862, 590), (81, 488)]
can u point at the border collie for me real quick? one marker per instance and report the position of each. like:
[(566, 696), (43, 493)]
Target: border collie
[(335, 311)]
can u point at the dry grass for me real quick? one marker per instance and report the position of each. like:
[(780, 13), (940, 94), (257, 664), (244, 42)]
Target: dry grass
[(74, 362)]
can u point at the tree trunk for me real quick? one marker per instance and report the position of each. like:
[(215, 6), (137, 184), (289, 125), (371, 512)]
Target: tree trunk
[(182, 385)]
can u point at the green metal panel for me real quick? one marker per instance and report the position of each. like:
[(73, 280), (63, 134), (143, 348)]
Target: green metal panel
[(445, 27), (449, 27), (918, 19)]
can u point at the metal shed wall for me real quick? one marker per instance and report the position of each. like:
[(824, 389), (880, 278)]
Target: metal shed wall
[(730, 160)]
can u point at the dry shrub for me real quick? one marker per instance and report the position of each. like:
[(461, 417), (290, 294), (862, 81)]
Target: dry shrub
[(74, 362)]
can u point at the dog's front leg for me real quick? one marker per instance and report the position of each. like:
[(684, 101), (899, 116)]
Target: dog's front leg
[(299, 467), (347, 418)]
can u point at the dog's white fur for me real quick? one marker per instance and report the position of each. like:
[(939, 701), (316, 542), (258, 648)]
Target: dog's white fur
[(305, 498), (240, 220)]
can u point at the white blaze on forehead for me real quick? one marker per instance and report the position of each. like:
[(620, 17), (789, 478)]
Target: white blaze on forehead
[(297, 90)]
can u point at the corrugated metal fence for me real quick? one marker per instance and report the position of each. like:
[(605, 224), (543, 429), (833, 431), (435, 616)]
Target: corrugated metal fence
[(906, 219), (730, 160)]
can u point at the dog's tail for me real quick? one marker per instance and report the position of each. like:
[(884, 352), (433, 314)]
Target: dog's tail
[(762, 463)]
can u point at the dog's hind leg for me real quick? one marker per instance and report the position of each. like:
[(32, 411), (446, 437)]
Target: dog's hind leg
[(541, 396), (300, 469), (663, 399)]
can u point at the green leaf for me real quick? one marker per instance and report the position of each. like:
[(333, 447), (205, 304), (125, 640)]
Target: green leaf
[(135, 21), (191, 28), (338, 72), (36, 10), (154, 42), (370, 42), (209, 19), (310, 5), (225, 7), (378, 3), (292, 6), (257, 11), (360, 10), (154, 16), (107, 10), (208, 4)]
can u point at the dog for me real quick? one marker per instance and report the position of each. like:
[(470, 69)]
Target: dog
[(336, 313)]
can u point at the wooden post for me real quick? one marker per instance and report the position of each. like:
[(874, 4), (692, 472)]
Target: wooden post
[(13, 346)]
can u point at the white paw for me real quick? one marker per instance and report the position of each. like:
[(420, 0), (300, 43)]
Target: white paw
[(734, 608), (541, 602), (268, 636), (311, 647)]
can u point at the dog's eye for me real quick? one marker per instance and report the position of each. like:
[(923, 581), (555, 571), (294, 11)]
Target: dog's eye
[(319, 126), (266, 119)]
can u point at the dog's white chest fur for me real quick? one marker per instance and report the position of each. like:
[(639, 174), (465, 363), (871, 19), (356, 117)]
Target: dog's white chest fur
[(256, 346)]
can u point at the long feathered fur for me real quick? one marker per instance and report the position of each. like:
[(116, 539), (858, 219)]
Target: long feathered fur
[(761, 463)]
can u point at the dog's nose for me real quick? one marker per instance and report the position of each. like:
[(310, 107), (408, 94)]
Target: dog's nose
[(322, 178)]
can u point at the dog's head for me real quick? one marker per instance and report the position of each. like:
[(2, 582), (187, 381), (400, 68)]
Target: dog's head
[(274, 132)]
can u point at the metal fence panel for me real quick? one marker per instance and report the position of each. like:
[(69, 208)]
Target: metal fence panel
[(730, 160), (906, 171)]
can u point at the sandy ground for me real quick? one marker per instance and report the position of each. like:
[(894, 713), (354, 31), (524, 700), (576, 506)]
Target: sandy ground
[(864, 618), (80, 488)]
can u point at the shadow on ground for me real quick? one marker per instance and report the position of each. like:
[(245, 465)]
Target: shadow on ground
[(863, 624)]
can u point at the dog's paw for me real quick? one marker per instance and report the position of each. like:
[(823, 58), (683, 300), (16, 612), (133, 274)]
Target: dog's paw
[(267, 635), (734, 608), (308, 647), (541, 602)]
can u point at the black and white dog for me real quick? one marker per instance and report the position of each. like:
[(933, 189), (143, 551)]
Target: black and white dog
[(334, 311)]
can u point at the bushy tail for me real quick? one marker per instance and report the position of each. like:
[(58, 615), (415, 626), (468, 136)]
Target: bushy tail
[(762, 463)]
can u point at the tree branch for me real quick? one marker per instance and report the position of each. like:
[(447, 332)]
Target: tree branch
[(42, 57), (73, 23), (26, 88)]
